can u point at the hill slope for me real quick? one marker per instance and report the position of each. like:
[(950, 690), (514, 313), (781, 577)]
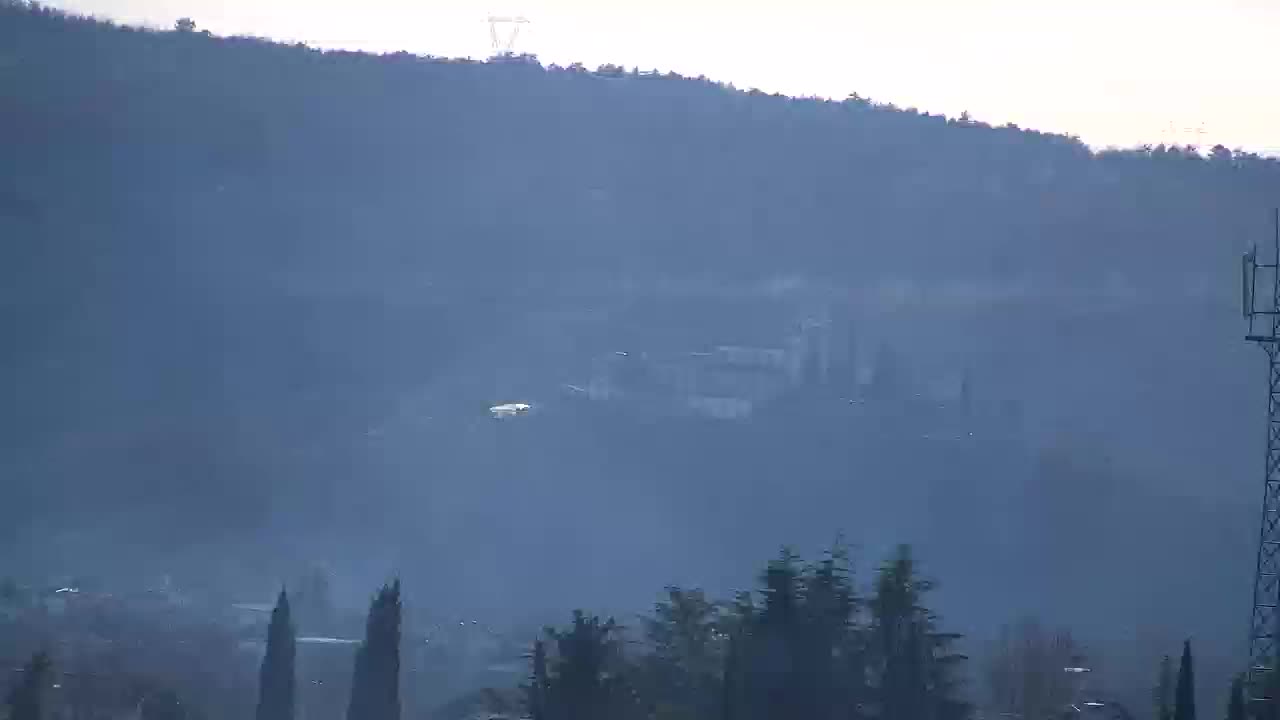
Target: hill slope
[(225, 260)]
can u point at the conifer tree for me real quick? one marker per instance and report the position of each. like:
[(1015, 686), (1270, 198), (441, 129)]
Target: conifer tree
[(827, 655), (683, 667), (915, 668), (1235, 705), (731, 679), (536, 698), (587, 679), (1184, 707), (774, 670), (1162, 694), (738, 625), (26, 700), (375, 681), (276, 681)]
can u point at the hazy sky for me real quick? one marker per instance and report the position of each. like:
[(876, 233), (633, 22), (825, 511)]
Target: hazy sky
[(1111, 71)]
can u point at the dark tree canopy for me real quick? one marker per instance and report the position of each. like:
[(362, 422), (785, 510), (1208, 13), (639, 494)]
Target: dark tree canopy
[(375, 682), (587, 674), (1235, 703), (1162, 693), (804, 645), (1184, 704), (27, 700), (277, 679)]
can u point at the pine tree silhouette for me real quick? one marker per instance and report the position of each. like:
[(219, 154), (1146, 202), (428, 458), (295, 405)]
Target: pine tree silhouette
[(1235, 705), (276, 684), (375, 681), (26, 701), (915, 667), (536, 691), (1163, 692), (1184, 705), (586, 679)]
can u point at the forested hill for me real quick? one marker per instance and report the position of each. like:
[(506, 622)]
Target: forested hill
[(513, 166), (179, 212), (227, 264)]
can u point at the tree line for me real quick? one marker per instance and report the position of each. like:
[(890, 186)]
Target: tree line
[(806, 643)]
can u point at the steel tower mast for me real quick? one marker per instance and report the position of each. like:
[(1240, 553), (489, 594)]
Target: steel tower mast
[(1260, 303), (503, 44)]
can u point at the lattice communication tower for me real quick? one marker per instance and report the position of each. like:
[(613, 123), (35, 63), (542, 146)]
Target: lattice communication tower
[(503, 32), (1260, 303)]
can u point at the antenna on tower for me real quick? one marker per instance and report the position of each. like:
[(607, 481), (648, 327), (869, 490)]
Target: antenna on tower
[(1262, 309), (503, 32)]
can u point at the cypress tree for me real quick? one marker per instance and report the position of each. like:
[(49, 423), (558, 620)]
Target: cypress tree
[(27, 698), (537, 690), (375, 681), (681, 672), (1163, 692), (775, 675), (730, 683), (586, 679), (894, 608), (1184, 704), (276, 684), (914, 666), (739, 625), (1235, 706), (829, 605)]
